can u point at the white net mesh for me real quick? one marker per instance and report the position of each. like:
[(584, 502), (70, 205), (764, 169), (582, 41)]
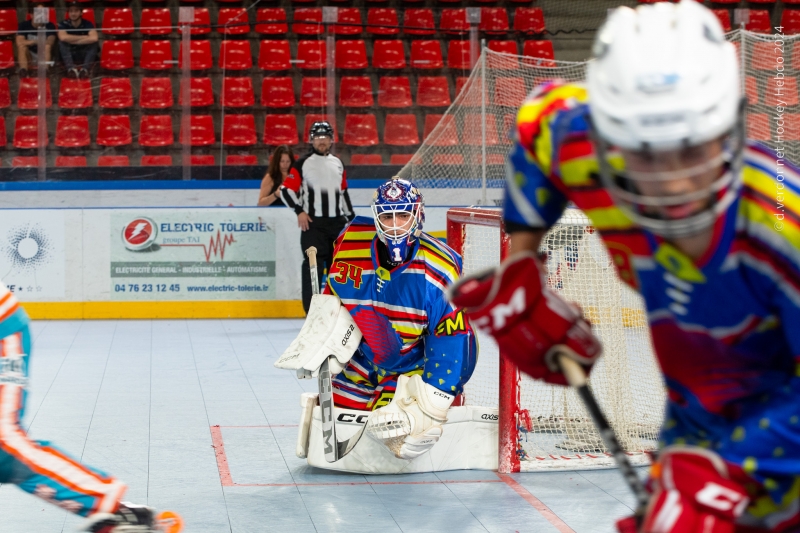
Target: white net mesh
[(475, 128), (626, 381)]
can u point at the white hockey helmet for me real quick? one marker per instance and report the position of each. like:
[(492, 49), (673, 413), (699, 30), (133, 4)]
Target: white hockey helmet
[(665, 78)]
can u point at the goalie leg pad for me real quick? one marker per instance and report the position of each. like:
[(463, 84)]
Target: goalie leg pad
[(412, 423)]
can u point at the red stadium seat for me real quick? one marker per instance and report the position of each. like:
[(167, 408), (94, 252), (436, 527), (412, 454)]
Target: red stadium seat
[(447, 134), (239, 130), (763, 55), (509, 92), (115, 93), (280, 129), (202, 160), (388, 55), (64, 161), (235, 55), (472, 129), (74, 94), (156, 21), (156, 93), (400, 159), (790, 20), (271, 21), (394, 92), (454, 21), (788, 93), (72, 131), (724, 18), (758, 127), (448, 159), (114, 130), (351, 54), (117, 55), (274, 55), (201, 94), (458, 55), (751, 89), (201, 131), (3, 139), (400, 130), (28, 95), (529, 20), (277, 92), (308, 21), (156, 161), (418, 22), (355, 91), (758, 21), (792, 126), (382, 21), (241, 160), (233, 21), (26, 132), (113, 161), (156, 55), (433, 91), (237, 92), (6, 55), (199, 55), (314, 92), (540, 52), (360, 130), (156, 130), (311, 118), (117, 21), (8, 22), (312, 55), (426, 55), (366, 159), (348, 21), (201, 25), (506, 62), (5, 93), (25, 162), (494, 20)]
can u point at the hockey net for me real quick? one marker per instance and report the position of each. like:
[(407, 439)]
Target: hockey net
[(546, 426)]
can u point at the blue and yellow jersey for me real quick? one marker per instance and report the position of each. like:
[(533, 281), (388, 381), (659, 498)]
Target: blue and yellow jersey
[(403, 313), (725, 327)]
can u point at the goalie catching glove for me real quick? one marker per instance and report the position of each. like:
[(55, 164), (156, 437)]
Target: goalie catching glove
[(412, 423), (530, 322)]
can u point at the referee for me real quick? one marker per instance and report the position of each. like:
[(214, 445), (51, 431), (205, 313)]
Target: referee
[(318, 194)]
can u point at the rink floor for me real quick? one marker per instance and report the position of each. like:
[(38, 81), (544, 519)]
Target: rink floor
[(192, 415)]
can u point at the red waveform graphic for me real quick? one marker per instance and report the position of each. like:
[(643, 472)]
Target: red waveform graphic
[(216, 245)]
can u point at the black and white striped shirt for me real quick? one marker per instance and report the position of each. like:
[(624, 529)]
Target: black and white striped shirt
[(319, 187)]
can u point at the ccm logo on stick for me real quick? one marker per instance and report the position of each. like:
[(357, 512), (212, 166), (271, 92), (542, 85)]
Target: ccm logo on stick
[(347, 335), (350, 418)]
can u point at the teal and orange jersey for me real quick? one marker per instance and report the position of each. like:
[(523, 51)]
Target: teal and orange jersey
[(403, 313), (725, 327)]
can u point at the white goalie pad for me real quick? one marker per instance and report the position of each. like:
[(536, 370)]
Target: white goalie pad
[(468, 442), (328, 330)]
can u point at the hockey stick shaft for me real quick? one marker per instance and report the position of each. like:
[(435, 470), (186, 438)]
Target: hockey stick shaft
[(577, 379), (311, 252)]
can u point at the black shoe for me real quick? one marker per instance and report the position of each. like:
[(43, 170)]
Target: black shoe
[(23, 73), (73, 73), (83, 74)]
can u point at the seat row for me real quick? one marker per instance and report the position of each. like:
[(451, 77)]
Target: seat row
[(306, 21), (237, 92), (63, 161), (156, 131)]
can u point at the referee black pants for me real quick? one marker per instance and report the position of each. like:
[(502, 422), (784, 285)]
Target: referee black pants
[(321, 234)]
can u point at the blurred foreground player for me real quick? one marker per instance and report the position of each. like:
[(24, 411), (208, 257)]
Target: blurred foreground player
[(43, 470), (704, 225)]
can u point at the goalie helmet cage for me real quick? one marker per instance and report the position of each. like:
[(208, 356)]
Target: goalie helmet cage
[(545, 427)]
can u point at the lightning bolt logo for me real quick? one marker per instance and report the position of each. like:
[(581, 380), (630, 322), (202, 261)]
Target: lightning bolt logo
[(138, 229)]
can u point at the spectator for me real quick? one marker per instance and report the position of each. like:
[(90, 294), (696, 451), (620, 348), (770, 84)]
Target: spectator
[(280, 166), (77, 42), (27, 42), (318, 194)]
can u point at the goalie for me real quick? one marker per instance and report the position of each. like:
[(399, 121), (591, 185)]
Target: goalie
[(652, 149)]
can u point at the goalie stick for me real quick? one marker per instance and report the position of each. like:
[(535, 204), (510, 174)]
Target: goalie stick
[(334, 450), (577, 379)]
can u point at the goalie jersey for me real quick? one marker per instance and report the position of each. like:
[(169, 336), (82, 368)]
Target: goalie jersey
[(404, 316)]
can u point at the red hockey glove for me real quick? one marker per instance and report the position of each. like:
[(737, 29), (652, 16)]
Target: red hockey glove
[(529, 321), (693, 494)]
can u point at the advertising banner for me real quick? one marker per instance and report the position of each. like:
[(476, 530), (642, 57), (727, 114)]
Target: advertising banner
[(208, 254), (32, 253)]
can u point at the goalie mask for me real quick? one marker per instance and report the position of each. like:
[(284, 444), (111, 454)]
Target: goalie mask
[(399, 213), (667, 116)]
